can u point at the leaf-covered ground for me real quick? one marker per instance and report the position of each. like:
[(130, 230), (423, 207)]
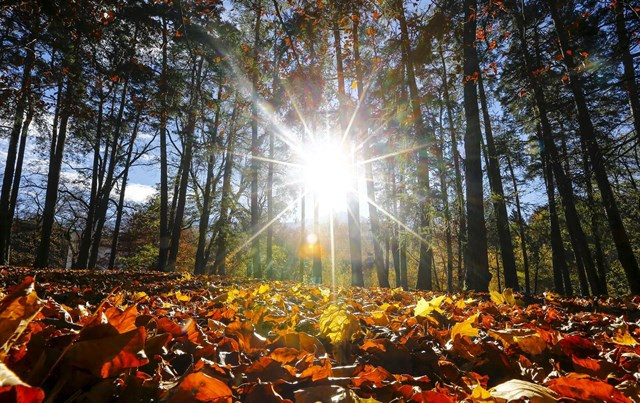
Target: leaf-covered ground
[(125, 336)]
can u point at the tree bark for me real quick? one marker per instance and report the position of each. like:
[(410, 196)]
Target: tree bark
[(374, 218), (176, 230), (256, 267), (14, 139), (163, 247), (219, 265), (500, 206), (462, 221), (425, 281), (203, 224), (53, 178), (123, 188), (521, 227), (477, 265)]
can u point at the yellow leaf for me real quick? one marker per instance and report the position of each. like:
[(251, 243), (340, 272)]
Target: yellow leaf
[(264, 288), (354, 85), (182, 297), (465, 328), (232, 294), (623, 338), (326, 293), (338, 325), (380, 318), (481, 394), (139, 295), (423, 307), (505, 297)]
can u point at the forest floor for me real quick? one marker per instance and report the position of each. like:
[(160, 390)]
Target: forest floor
[(142, 336)]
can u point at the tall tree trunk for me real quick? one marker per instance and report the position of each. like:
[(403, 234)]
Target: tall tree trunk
[(53, 178), (561, 279), (176, 230), (123, 188), (374, 218), (595, 227), (270, 207), (444, 194), (203, 224), (395, 245), (15, 186), (521, 227), (353, 208), (109, 183), (500, 206), (587, 133), (477, 265), (163, 248), (14, 137), (85, 242), (256, 267), (219, 265), (629, 72), (462, 221), (425, 139)]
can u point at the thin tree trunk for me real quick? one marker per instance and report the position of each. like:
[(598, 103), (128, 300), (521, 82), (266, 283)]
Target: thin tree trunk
[(109, 183), (444, 194), (462, 227), (477, 265), (353, 208), (14, 139), (521, 227), (85, 243), (270, 207), (219, 265), (587, 133), (395, 245), (561, 279), (176, 230), (425, 281), (53, 179), (203, 224), (500, 206), (15, 186), (374, 218), (123, 188), (163, 248), (595, 227), (256, 267)]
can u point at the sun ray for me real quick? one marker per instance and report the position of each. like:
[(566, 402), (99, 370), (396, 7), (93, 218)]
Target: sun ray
[(267, 225), (391, 216), (265, 159), (393, 154)]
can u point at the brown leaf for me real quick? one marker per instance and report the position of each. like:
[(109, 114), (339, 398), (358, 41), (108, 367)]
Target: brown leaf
[(582, 387), (200, 387)]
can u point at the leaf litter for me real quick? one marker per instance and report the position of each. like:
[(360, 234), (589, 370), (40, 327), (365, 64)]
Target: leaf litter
[(86, 336)]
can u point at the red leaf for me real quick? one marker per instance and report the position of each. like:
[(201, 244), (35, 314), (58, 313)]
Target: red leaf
[(581, 387)]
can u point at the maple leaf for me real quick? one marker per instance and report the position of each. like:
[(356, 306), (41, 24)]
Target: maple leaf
[(337, 324), (465, 328), (424, 307)]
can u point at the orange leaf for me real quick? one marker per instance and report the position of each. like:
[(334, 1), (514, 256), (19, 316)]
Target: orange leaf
[(199, 387), (582, 387)]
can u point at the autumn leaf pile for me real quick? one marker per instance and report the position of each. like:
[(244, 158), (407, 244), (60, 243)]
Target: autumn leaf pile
[(131, 336)]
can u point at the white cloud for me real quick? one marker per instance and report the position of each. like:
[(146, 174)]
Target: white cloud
[(138, 193)]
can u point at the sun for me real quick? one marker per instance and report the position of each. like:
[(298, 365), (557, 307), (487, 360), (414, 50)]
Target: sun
[(328, 172)]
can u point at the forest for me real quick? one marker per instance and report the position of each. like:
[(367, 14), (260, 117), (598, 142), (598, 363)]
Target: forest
[(427, 145), (319, 200)]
